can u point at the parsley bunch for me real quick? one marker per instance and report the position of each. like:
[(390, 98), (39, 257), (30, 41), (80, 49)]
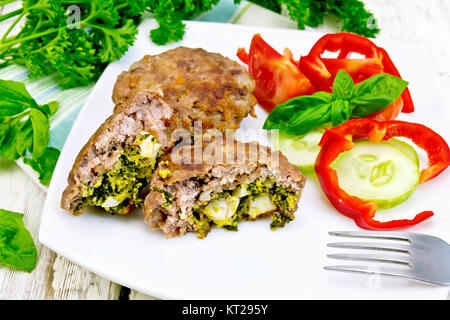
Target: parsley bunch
[(170, 13), (74, 39), (355, 18)]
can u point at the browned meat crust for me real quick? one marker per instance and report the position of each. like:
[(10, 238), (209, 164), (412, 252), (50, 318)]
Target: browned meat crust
[(146, 112), (213, 174), (198, 84)]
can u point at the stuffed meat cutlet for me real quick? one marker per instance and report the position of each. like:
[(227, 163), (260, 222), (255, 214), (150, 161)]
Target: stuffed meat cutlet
[(115, 166), (232, 182)]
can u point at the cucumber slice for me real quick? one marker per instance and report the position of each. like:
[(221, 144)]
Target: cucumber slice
[(377, 172), (405, 148), (301, 151)]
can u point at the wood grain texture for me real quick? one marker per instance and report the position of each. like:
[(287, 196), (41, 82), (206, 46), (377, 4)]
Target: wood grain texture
[(54, 277), (426, 23)]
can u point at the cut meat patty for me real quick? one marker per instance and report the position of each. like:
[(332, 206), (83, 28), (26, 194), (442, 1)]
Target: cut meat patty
[(199, 85), (116, 164), (231, 182)]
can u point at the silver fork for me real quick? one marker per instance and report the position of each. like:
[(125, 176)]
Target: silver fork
[(416, 256)]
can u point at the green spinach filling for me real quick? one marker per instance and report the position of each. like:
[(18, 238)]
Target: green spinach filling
[(122, 186), (168, 197), (246, 202)]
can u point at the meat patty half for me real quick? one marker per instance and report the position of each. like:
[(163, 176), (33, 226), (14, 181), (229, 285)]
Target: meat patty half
[(233, 181), (198, 84), (115, 166)]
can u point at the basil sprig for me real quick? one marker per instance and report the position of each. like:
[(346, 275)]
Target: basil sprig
[(301, 114), (17, 249), (24, 129)]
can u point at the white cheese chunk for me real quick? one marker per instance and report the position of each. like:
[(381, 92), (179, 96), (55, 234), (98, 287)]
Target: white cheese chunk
[(110, 202), (260, 205), (241, 191), (149, 147), (220, 211), (205, 195)]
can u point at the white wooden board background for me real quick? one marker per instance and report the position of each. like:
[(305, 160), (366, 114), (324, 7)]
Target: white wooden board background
[(426, 22)]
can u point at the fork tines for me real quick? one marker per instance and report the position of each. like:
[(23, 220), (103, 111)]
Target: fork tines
[(407, 254), (375, 257), (392, 253)]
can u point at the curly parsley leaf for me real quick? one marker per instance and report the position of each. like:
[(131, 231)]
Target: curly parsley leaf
[(354, 16), (75, 46), (17, 249), (170, 13)]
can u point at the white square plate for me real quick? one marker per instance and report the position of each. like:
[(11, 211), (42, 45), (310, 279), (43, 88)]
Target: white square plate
[(254, 263)]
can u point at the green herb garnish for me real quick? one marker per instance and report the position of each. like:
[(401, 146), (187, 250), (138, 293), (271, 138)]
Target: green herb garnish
[(24, 129), (301, 114), (17, 249), (74, 40), (355, 18)]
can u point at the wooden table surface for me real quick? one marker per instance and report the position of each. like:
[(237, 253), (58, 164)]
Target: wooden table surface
[(426, 22)]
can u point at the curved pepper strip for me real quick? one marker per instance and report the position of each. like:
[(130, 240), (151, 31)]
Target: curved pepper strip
[(321, 71), (333, 143)]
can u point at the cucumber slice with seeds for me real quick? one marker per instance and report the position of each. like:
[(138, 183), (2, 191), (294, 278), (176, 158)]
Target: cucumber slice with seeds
[(378, 172)]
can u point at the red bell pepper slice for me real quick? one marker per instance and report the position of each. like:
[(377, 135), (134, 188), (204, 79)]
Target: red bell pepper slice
[(333, 143), (277, 76), (322, 71)]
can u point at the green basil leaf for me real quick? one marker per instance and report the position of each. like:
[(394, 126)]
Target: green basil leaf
[(282, 114), (17, 249), (24, 129), (15, 91), (33, 164), (305, 120), (45, 108), (324, 96), (24, 138), (343, 85), (376, 93), (49, 108), (53, 106), (4, 127), (341, 111), (8, 146), (41, 133), (45, 164), (9, 108)]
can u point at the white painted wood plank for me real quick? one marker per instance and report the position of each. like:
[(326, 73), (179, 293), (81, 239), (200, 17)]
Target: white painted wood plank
[(423, 22), (54, 277)]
